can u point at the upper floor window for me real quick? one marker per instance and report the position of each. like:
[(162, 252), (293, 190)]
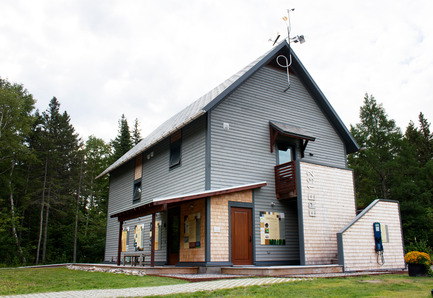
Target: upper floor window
[(137, 192), (175, 149), (283, 133), (285, 154), (136, 197)]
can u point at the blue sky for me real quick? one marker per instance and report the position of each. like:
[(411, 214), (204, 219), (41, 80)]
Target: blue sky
[(149, 59)]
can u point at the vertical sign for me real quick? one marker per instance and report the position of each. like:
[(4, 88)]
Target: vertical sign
[(311, 193)]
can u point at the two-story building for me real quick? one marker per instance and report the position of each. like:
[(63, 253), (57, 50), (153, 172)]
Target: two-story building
[(252, 173)]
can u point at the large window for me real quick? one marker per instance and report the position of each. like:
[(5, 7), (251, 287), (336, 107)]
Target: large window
[(175, 149)]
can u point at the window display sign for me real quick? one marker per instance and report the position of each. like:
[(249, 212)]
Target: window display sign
[(158, 234), (272, 228), (138, 237), (125, 232), (191, 232)]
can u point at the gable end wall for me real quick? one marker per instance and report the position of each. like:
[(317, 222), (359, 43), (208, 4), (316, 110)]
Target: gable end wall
[(241, 153)]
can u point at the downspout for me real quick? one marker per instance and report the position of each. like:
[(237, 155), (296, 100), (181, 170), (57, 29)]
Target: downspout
[(119, 248), (152, 248)]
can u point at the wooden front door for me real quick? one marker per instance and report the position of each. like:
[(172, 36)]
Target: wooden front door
[(173, 236), (241, 236)]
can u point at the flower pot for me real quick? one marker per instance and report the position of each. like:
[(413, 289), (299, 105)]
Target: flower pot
[(417, 270)]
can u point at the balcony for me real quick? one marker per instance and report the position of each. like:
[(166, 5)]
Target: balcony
[(285, 180)]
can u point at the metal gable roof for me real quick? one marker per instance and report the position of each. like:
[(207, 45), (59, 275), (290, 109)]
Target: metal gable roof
[(209, 100)]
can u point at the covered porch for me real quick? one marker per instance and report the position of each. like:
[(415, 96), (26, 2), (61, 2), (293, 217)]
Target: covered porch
[(196, 213)]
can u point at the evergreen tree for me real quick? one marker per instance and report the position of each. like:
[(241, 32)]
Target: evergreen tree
[(123, 142), (136, 134), (413, 182), (58, 150), (425, 141), (379, 139)]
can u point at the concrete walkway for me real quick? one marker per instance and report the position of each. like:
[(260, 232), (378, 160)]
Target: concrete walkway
[(166, 290)]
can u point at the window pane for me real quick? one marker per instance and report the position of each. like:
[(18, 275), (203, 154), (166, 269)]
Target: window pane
[(285, 155), (137, 192), (175, 153)]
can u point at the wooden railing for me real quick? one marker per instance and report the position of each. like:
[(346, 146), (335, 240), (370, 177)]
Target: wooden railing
[(285, 180)]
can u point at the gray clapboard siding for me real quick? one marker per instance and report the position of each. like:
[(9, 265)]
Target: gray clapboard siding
[(120, 192), (111, 240), (241, 154), (121, 188), (158, 180)]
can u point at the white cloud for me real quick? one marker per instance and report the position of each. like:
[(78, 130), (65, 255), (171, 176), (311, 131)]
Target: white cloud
[(149, 59)]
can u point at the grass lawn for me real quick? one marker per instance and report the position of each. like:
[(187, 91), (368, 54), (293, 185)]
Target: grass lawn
[(37, 280), (392, 285)]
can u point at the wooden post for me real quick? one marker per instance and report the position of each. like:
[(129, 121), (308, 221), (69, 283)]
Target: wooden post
[(152, 248), (119, 249)]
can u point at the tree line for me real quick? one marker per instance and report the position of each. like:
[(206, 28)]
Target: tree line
[(52, 209)]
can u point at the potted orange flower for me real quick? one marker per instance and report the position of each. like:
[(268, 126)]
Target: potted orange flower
[(418, 263)]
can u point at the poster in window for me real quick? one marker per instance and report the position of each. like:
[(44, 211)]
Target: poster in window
[(125, 232), (191, 231), (158, 234), (272, 228), (138, 237)]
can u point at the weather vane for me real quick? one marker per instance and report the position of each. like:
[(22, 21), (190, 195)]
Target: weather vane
[(281, 58)]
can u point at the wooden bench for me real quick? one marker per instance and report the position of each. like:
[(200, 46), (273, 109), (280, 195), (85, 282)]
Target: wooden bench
[(135, 256)]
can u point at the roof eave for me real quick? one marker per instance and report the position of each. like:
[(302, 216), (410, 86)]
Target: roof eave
[(121, 162), (263, 61), (313, 88)]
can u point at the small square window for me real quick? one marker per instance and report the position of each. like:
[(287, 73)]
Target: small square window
[(137, 192)]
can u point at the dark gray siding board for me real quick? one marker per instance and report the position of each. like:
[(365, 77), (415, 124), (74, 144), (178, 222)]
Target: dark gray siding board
[(158, 180), (121, 188), (242, 154), (120, 198), (111, 240)]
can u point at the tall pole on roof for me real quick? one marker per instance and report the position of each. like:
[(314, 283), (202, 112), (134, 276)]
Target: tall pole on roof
[(282, 60)]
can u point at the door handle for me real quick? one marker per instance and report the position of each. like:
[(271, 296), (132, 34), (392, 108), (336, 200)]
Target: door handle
[(251, 238)]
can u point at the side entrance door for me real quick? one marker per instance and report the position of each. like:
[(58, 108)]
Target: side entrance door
[(241, 236)]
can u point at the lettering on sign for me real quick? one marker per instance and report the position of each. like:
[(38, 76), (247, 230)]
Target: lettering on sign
[(311, 194)]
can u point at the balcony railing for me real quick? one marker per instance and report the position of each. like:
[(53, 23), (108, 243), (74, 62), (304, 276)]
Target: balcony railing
[(285, 180)]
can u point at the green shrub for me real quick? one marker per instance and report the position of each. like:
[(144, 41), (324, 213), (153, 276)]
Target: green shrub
[(421, 245)]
